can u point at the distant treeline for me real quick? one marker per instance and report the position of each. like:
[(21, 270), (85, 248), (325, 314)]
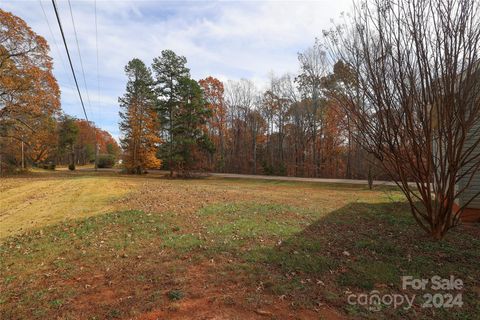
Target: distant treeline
[(290, 128)]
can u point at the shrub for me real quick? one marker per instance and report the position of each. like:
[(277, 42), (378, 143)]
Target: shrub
[(71, 166), (270, 170), (48, 166), (267, 169), (106, 161)]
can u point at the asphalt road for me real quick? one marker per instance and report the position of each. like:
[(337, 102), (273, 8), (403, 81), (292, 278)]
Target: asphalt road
[(277, 178), (283, 178)]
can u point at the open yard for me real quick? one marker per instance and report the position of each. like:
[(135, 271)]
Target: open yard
[(121, 247)]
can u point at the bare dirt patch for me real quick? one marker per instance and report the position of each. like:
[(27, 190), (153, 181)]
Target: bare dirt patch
[(207, 300)]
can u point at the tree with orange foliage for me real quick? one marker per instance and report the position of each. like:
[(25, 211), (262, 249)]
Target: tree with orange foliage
[(27, 85), (85, 144), (107, 144), (334, 141), (88, 137), (42, 140), (29, 93), (139, 125), (213, 92)]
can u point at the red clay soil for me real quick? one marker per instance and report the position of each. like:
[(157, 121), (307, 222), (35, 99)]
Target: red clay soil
[(203, 302), (205, 299), (202, 309)]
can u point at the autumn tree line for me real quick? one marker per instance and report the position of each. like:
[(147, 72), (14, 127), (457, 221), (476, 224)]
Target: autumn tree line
[(292, 127), (33, 129)]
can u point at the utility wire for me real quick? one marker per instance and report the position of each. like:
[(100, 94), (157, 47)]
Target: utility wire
[(98, 79), (59, 52), (96, 45), (69, 58), (80, 57), (56, 44), (84, 81)]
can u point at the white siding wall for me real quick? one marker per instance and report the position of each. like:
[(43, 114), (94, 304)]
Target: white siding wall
[(474, 187)]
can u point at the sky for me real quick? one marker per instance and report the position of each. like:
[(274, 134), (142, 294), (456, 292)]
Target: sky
[(226, 40)]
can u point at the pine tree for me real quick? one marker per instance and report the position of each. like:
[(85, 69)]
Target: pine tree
[(191, 143), (139, 124), (169, 69), (182, 112)]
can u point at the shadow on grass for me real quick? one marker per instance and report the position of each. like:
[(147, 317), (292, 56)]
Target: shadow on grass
[(363, 247)]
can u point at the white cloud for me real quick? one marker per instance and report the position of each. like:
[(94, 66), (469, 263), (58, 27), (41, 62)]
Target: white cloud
[(228, 40)]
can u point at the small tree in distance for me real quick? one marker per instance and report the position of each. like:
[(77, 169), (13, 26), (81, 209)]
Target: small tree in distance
[(213, 92), (68, 133), (409, 79)]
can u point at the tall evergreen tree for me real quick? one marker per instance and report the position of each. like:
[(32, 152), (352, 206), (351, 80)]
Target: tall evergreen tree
[(191, 143), (139, 124), (169, 68), (182, 112)]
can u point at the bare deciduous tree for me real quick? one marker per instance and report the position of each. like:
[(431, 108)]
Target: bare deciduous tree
[(240, 98), (313, 65), (414, 96)]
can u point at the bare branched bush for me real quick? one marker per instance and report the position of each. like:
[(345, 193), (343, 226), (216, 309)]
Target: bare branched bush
[(413, 90)]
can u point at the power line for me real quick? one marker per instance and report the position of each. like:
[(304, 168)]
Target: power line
[(59, 52), (80, 56), (69, 58), (84, 81), (55, 43), (96, 45), (98, 78)]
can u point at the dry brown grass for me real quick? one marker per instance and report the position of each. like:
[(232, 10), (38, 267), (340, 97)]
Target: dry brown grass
[(34, 201)]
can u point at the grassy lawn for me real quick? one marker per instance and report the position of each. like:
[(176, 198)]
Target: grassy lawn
[(152, 248), (42, 199)]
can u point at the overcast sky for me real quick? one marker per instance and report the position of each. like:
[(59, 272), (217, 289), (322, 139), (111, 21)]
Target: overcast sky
[(227, 40)]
